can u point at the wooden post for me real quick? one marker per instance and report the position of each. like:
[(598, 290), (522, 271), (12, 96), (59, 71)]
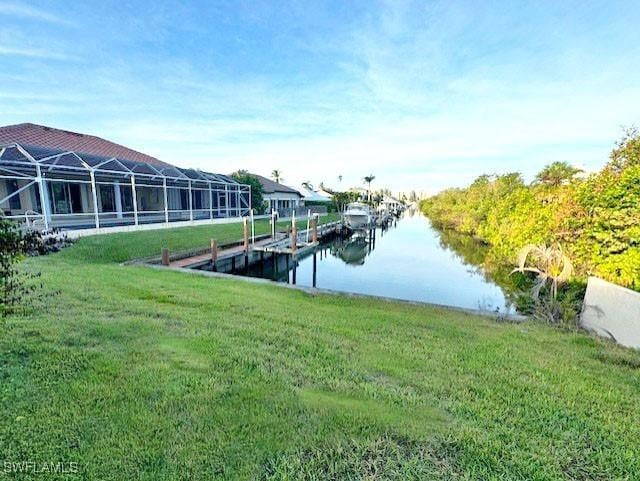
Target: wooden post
[(245, 226), (294, 239), (214, 252), (314, 230), (273, 224), (315, 269), (165, 256)]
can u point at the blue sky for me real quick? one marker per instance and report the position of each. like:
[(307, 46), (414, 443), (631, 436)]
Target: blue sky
[(422, 94)]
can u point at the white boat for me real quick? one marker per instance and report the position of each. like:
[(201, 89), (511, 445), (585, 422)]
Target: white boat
[(358, 216)]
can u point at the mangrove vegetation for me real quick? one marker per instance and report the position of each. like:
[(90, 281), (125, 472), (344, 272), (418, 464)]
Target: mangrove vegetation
[(594, 218)]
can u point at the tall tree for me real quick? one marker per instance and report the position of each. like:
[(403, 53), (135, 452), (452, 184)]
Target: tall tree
[(367, 180), (276, 175), (257, 191), (627, 151), (557, 173)]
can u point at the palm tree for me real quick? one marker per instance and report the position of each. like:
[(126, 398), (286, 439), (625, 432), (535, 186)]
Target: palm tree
[(307, 185), (550, 264), (276, 175), (557, 173), (340, 178), (367, 180)]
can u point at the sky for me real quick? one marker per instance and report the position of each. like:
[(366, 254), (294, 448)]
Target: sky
[(423, 95)]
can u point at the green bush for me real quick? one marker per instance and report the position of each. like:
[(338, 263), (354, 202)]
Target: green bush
[(16, 286), (596, 220)]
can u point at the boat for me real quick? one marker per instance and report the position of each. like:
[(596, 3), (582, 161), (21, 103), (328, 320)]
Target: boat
[(384, 217), (358, 216)]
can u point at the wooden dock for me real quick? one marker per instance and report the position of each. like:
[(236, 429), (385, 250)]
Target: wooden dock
[(227, 258)]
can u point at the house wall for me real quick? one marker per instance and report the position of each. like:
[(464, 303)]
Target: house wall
[(282, 200)]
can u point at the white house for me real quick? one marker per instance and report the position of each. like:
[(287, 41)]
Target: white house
[(313, 196), (280, 197)]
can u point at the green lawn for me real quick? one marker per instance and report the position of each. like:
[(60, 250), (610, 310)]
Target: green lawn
[(137, 373)]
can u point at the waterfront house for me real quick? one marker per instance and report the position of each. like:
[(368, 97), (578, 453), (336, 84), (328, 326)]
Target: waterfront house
[(280, 198), (313, 197), (56, 178)]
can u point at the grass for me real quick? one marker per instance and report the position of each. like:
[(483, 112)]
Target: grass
[(136, 373), (134, 245)]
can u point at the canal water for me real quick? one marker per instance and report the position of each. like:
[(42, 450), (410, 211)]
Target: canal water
[(409, 260)]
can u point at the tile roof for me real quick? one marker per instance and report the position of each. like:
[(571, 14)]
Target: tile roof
[(40, 135), (271, 186)]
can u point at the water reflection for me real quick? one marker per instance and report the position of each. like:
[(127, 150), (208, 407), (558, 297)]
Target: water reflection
[(353, 251), (408, 260)]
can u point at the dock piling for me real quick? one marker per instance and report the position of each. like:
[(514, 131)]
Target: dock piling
[(214, 254), (294, 239), (314, 230), (245, 237), (315, 268), (273, 224), (165, 256)]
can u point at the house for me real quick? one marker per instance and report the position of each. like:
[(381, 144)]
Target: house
[(52, 178), (280, 197), (390, 203), (311, 197), (328, 196)]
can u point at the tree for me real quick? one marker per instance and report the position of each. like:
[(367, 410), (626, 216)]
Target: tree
[(549, 263), (276, 175), (557, 174), (367, 180), (307, 185), (341, 199), (257, 191), (16, 286), (627, 151)]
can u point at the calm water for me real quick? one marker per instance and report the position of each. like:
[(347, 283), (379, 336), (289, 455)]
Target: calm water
[(408, 261)]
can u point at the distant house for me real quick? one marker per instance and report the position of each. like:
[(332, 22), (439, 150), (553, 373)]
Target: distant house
[(56, 178), (310, 196), (323, 193), (390, 203), (280, 197)]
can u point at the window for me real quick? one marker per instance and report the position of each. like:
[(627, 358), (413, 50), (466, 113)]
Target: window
[(197, 199), (66, 198), (184, 199), (14, 202), (60, 199), (76, 197), (107, 198), (126, 198)]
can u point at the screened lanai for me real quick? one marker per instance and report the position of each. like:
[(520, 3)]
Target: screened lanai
[(48, 188)]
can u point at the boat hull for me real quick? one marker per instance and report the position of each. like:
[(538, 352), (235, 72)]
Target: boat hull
[(357, 221)]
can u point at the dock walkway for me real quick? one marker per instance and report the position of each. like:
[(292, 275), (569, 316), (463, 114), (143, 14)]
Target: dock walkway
[(281, 244)]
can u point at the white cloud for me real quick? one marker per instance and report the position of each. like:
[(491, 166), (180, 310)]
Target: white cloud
[(30, 12), (421, 96), (34, 53)]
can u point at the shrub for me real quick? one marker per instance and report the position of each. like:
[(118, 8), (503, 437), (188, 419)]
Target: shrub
[(16, 287)]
